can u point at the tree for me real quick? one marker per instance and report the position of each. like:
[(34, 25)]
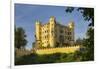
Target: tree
[(88, 14), (79, 41), (20, 37), (89, 44), (33, 44)]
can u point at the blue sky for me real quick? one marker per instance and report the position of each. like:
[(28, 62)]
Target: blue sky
[(27, 14)]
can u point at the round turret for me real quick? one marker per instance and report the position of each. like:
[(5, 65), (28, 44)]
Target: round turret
[(52, 19), (37, 22), (71, 25)]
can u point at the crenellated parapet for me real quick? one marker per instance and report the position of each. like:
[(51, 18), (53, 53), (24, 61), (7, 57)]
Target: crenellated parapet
[(69, 49)]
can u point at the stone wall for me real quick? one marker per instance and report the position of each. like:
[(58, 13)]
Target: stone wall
[(69, 49), (22, 52)]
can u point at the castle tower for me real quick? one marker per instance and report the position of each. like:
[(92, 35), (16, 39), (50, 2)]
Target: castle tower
[(71, 27), (52, 31), (38, 34)]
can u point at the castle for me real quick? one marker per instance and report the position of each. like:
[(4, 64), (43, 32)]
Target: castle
[(53, 34)]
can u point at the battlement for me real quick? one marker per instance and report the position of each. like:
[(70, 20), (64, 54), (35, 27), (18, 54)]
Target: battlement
[(69, 49)]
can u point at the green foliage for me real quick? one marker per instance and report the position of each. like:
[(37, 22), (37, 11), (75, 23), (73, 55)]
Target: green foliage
[(88, 42), (49, 58), (69, 9), (87, 13), (20, 36)]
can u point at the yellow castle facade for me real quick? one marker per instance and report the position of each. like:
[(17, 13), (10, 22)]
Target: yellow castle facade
[(53, 34)]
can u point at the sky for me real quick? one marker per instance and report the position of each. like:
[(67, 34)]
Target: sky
[(27, 14)]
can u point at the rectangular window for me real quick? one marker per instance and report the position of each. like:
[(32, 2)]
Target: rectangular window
[(69, 33)]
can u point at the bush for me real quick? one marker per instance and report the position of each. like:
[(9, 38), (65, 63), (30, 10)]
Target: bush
[(42, 59)]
